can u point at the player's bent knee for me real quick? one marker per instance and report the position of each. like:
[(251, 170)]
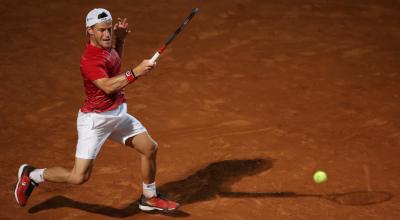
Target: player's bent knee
[(151, 149), (78, 179)]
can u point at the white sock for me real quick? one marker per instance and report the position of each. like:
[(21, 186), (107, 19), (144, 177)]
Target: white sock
[(149, 190), (37, 175)]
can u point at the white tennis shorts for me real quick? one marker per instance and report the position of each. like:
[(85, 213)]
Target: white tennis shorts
[(95, 128)]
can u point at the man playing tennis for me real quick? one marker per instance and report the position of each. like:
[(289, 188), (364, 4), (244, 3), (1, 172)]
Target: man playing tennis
[(103, 115)]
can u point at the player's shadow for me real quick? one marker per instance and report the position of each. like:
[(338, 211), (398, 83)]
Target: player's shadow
[(205, 184), (210, 182)]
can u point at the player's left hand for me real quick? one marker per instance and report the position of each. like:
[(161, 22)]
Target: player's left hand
[(121, 29)]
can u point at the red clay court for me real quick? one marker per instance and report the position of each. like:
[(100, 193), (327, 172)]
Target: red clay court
[(246, 104)]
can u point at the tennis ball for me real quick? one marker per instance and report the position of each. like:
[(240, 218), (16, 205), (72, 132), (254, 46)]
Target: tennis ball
[(320, 176)]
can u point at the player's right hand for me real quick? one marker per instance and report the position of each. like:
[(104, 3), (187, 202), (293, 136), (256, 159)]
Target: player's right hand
[(143, 68)]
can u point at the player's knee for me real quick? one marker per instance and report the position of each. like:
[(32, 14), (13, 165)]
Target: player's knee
[(79, 179), (151, 149)]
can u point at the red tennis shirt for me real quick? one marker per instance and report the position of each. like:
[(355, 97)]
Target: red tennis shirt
[(97, 63)]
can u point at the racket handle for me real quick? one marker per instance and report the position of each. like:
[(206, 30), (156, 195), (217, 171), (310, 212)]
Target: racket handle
[(155, 57)]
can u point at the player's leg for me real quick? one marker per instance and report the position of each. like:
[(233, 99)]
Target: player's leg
[(151, 199), (29, 177), (129, 131), (93, 130), (147, 148), (79, 174)]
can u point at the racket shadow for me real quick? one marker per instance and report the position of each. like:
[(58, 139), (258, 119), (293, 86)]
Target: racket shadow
[(355, 198)]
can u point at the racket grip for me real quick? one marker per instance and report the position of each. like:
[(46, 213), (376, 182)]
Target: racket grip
[(155, 57)]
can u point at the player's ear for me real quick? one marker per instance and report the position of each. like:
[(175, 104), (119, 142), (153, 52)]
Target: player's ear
[(89, 30)]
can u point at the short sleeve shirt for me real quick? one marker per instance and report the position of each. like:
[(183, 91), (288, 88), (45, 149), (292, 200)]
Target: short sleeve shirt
[(97, 63)]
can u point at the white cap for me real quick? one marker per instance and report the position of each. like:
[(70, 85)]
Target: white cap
[(96, 16)]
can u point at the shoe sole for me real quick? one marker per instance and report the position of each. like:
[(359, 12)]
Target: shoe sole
[(148, 208), (152, 208), (21, 169)]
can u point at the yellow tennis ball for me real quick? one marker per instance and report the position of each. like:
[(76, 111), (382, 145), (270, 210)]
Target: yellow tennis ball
[(320, 176)]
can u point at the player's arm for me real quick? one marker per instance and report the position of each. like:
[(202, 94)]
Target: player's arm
[(116, 83), (121, 31)]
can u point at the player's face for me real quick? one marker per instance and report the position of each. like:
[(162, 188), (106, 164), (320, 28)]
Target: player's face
[(102, 34)]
